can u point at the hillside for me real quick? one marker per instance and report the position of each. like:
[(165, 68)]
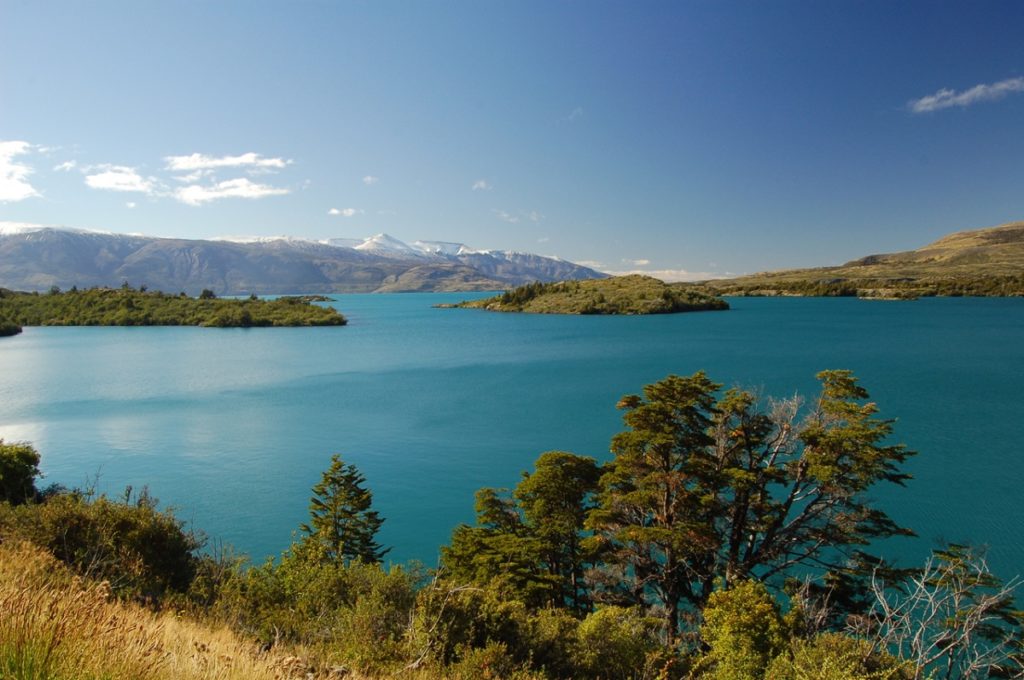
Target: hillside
[(978, 262), (633, 294), (39, 258)]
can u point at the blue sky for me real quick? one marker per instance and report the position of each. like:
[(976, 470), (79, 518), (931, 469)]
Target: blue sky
[(687, 138)]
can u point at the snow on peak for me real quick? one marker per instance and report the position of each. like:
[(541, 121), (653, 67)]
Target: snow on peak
[(382, 244), (12, 228), (440, 247)]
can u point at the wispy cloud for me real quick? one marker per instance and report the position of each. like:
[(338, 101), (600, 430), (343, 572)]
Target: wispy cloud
[(534, 216), (242, 187), (637, 263), (574, 114), (198, 161), (669, 275), (506, 216), (946, 98), (481, 185), (370, 179), (118, 178), (345, 212), (130, 205), (66, 166), (14, 184)]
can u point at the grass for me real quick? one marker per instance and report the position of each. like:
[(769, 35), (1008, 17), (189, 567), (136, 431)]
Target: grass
[(982, 262), (54, 626)]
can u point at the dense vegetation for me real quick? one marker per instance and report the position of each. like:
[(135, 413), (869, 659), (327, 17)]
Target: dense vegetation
[(127, 306), (633, 294), (901, 288), (727, 539)]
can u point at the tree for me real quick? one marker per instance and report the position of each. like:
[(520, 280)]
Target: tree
[(529, 542), (956, 619), (555, 500), (19, 467), (341, 524), (705, 489)]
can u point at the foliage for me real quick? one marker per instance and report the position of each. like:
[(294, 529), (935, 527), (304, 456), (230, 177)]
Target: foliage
[(743, 630), (355, 613), (141, 551), (834, 656), (342, 527), (705, 488), (19, 468), (633, 294), (129, 307), (529, 544)]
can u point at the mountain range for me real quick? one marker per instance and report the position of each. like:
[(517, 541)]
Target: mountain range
[(37, 258)]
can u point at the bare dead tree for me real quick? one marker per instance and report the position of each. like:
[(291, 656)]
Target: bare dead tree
[(954, 620)]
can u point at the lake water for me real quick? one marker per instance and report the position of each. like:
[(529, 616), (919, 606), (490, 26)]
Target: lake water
[(233, 426)]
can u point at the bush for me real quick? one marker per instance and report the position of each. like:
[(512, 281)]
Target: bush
[(833, 656), (143, 552), (19, 468)]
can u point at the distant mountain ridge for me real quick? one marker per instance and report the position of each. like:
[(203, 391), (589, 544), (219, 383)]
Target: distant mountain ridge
[(37, 258)]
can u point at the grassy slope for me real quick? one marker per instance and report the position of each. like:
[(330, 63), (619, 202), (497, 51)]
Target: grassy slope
[(128, 307), (981, 262), (632, 294)]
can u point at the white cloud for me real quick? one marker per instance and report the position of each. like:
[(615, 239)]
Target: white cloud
[(370, 179), (196, 194), (574, 114), (593, 264), (14, 185), (198, 161), (119, 178), (946, 98), (543, 239), (66, 166), (534, 216), (669, 275), (130, 204), (481, 185), (506, 217), (637, 263), (345, 212)]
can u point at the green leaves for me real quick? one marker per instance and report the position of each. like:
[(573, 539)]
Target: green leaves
[(341, 524)]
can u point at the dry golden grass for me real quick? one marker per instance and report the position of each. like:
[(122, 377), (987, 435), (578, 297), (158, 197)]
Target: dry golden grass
[(54, 626)]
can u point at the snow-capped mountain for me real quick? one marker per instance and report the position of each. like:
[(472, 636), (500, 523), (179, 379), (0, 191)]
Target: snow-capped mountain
[(34, 257)]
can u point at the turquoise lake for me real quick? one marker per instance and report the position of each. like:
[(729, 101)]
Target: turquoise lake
[(233, 426)]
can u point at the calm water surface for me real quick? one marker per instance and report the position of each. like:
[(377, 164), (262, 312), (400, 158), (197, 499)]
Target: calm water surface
[(233, 426)]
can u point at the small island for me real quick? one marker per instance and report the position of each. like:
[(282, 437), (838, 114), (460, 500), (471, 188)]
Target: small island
[(632, 294), (127, 306)]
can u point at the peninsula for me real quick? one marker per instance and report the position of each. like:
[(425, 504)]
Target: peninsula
[(981, 262), (632, 294), (127, 306)]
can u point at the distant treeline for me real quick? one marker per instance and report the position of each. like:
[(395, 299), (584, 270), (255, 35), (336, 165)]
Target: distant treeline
[(973, 286), (633, 294), (128, 306)]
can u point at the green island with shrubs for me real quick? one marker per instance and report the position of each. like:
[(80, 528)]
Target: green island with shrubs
[(127, 306), (726, 539), (631, 294)]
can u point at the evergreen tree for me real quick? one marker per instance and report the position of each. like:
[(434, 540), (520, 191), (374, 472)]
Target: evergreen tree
[(341, 524), (705, 489)]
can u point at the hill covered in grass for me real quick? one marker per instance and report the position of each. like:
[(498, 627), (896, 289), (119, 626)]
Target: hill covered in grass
[(633, 294), (129, 307), (986, 262)]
